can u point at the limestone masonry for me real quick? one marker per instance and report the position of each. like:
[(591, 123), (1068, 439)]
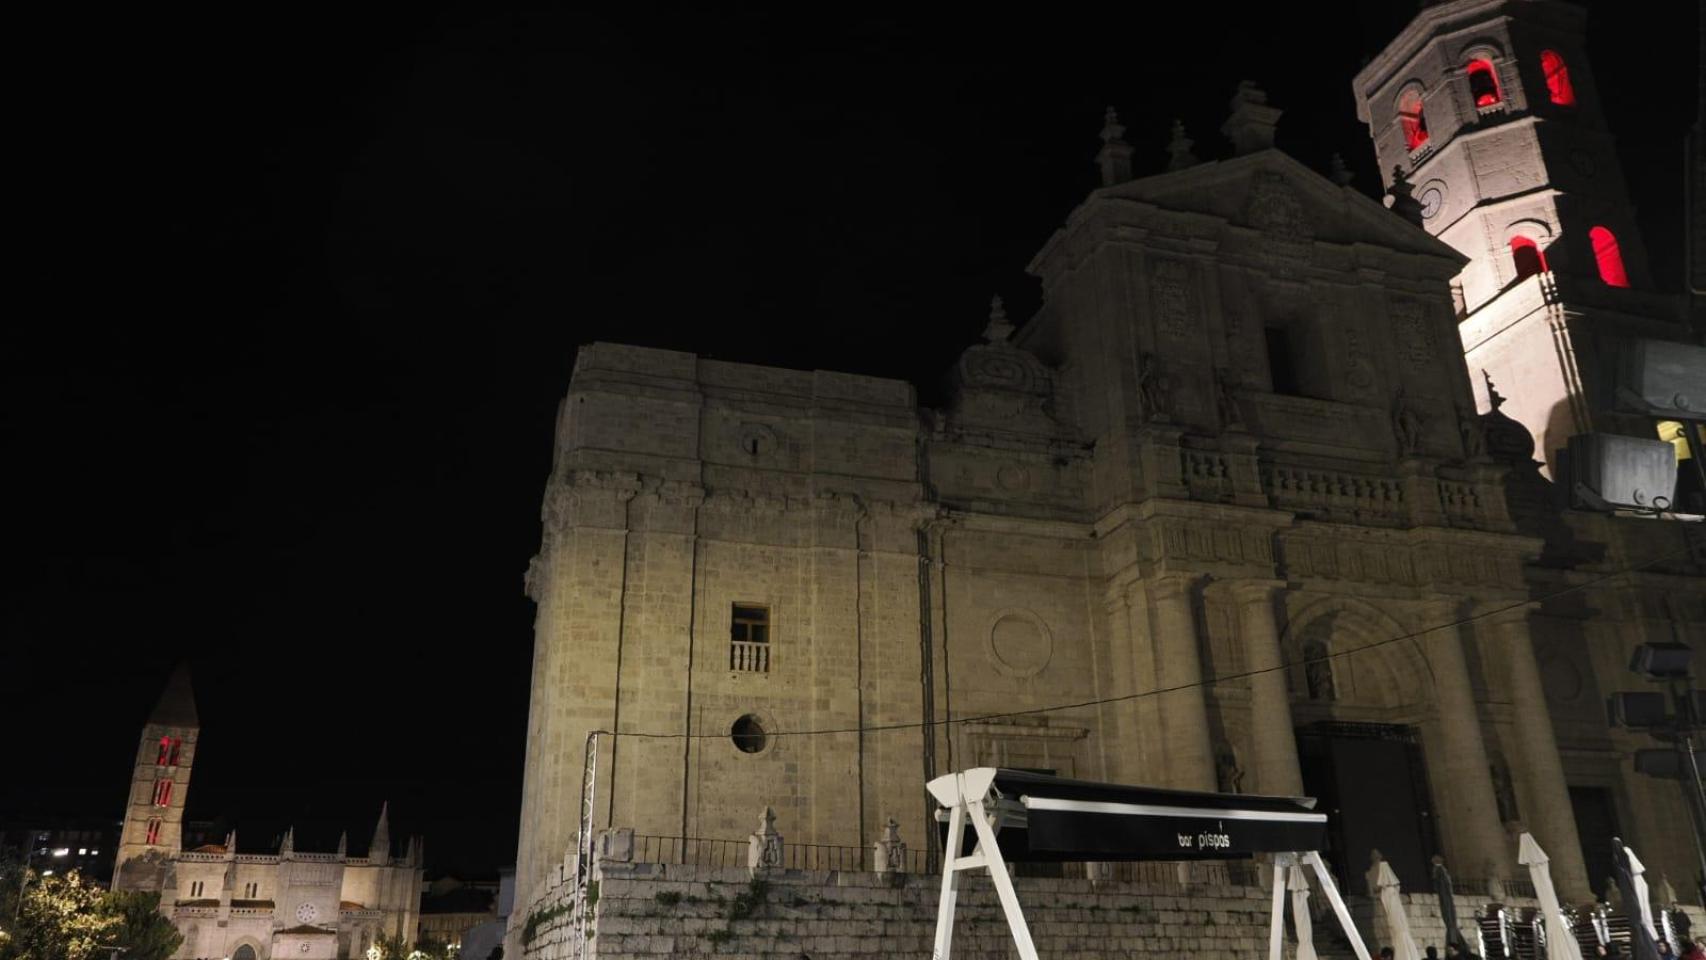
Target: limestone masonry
[(1237, 457)]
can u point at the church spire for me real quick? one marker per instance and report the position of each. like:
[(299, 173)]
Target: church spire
[(176, 707), (379, 851), (1115, 156)]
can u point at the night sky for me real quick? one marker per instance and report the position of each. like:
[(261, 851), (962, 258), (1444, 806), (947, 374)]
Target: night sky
[(303, 287)]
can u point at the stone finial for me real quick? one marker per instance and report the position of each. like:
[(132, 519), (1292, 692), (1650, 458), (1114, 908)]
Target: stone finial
[(1179, 148), (1339, 173), (889, 852), (231, 842), (1250, 126), (343, 843), (998, 328), (287, 846), (764, 847), (1400, 197), (1115, 156)]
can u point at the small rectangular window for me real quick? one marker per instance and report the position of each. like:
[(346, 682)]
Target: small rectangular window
[(162, 793), (153, 831), (749, 638)]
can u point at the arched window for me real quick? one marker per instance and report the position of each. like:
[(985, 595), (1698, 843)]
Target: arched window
[(153, 831), (1609, 258), (1557, 78), (169, 747), (1410, 117), (1527, 256), (1483, 83), (162, 793), (244, 952)]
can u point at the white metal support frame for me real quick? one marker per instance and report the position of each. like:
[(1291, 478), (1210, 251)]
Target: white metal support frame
[(963, 794), (962, 797)]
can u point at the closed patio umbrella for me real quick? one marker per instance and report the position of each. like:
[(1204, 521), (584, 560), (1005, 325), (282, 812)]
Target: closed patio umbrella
[(1626, 870), (1448, 907), (1559, 942), (1392, 901)]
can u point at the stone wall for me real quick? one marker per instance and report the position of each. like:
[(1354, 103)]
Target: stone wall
[(656, 910)]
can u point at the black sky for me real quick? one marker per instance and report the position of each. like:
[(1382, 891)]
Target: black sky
[(301, 289)]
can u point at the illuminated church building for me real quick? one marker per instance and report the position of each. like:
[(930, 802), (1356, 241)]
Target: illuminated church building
[(228, 905), (1260, 420)]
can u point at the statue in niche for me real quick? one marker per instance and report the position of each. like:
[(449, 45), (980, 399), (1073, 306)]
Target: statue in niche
[(1407, 424), (1318, 671), (1153, 387), (1226, 401)]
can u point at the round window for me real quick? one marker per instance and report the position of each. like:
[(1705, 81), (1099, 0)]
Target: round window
[(748, 734)]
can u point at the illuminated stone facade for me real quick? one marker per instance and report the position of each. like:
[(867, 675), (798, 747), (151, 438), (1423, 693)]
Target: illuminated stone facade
[(246, 906), (1235, 463)]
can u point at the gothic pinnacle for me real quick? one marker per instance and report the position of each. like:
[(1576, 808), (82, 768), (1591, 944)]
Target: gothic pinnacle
[(1115, 156), (1179, 148), (999, 328)]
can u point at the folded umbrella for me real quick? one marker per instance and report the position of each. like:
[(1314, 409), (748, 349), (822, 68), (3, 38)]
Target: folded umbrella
[(1392, 901), (1560, 944), (1448, 907), (1642, 941)]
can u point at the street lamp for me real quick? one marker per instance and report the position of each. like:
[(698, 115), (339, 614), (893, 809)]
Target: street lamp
[(1678, 721)]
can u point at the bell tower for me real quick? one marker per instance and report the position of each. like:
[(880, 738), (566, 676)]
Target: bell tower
[(1489, 111), (154, 813)]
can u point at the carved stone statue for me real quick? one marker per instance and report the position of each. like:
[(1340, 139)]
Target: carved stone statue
[(1407, 424), (889, 855), (1153, 387), (1228, 775), (1318, 671), (1226, 401)]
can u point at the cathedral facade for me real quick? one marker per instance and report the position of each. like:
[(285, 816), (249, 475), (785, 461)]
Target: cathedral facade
[(249, 906), (1257, 501)]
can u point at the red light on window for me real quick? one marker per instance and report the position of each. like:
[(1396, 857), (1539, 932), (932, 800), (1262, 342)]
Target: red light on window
[(153, 831), (1609, 257), (1528, 257), (165, 751), (1483, 83), (162, 793), (1557, 78), (1412, 120)]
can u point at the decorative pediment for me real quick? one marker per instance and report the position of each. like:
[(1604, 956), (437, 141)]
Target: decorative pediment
[(998, 385)]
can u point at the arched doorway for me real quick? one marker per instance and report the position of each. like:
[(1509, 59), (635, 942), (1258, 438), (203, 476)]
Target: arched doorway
[(1359, 745), (244, 952)]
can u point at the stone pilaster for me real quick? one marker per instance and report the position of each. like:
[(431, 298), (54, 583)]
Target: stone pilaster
[(1178, 671), (1272, 740), (1539, 769), (1458, 771)]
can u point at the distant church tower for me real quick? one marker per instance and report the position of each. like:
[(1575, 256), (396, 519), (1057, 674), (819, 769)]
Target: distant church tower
[(1488, 112), (154, 816)]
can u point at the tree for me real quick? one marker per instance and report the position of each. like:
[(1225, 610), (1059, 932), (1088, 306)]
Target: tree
[(60, 918), (143, 931)]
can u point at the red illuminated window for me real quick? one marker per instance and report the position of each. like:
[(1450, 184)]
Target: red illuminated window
[(1609, 258), (169, 751), (162, 793), (153, 831), (1410, 117), (1483, 83), (1557, 78), (1528, 257)]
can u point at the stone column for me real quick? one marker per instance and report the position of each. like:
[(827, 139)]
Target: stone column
[(1538, 767), (1184, 711), (1458, 771), (1272, 741)]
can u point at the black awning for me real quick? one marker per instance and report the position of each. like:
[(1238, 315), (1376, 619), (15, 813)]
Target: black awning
[(1044, 818)]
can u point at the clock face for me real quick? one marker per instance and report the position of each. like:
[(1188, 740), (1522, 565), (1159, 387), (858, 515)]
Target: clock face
[(306, 913)]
